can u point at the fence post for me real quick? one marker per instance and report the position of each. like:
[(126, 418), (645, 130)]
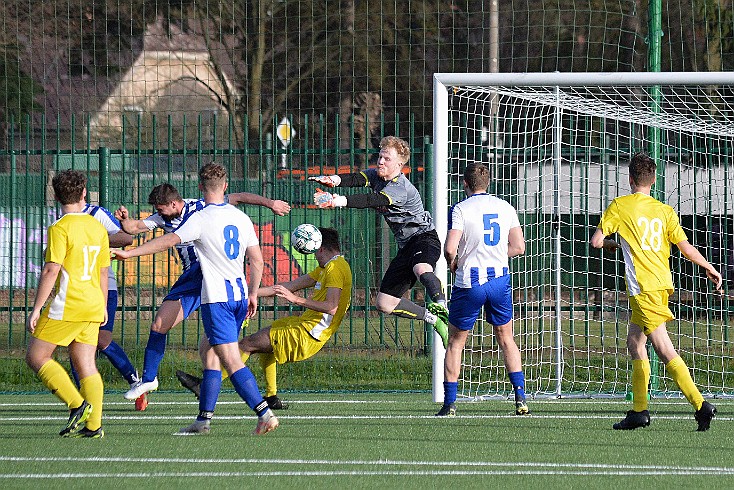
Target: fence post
[(104, 176)]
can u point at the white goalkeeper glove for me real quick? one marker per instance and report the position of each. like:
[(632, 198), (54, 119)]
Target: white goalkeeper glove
[(327, 180), (328, 200)]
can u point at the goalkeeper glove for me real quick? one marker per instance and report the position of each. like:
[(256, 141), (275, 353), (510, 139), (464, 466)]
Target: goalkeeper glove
[(327, 180), (328, 200)]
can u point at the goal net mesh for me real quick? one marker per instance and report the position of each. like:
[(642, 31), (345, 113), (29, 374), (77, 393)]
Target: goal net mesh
[(560, 155)]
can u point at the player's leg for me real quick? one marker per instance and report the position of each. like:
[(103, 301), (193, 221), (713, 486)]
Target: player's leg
[(209, 388), (51, 373), (91, 386), (498, 310), (452, 367), (111, 349), (678, 371), (398, 279), (425, 253), (639, 415), (466, 304), (222, 325)]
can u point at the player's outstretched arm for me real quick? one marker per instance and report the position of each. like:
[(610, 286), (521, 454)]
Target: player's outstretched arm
[(128, 224), (120, 239), (301, 282), (328, 306), (691, 253), (159, 244), (341, 180), (279, 208)]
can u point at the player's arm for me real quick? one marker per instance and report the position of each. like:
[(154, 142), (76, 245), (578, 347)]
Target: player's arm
[(159, 244), (104, 279), (341, 180), (515, 242), (257, 264), (599, 240), (120, 239), (451, 247), (301, 282), (128, 224), (328, 306), (279, 208), (49, 273), (691, 253), (359, 201)]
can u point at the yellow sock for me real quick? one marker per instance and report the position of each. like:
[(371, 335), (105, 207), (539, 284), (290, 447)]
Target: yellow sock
[(267, 361), (640, 380), (54, 377), (92, 390), (225, 374), (679, 372)]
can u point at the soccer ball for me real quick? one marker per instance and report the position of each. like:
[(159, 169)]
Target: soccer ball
[(306, 238)]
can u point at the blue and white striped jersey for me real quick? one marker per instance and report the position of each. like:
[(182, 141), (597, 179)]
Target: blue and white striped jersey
[(486, 221), (112, 225), (220, 233), (185, 250)]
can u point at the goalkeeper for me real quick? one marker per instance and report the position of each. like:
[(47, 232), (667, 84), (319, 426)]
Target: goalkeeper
[(646, 228), (297, 338), (419, 248)]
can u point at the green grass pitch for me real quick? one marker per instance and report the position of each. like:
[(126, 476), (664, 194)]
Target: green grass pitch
[(353, 440)]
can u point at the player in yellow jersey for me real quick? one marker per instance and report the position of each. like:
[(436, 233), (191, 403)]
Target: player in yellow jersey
[(77, 260), (296, 338), (646, 227)]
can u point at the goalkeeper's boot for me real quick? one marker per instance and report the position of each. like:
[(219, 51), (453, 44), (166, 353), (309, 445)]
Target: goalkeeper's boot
[(141, 387), (442, 323), (521, 408), (704, 415), (77, 417), (190, 382), (633, 420), (198, 427), (447, 411), (91, 434), (266, 423), (275, 403)]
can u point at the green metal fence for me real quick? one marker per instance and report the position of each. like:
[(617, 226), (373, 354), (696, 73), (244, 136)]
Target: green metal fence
[(125, 176)]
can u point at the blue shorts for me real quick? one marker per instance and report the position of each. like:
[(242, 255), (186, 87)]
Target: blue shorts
[(187, 289), (223, 321), (111, 311), (496, 297)]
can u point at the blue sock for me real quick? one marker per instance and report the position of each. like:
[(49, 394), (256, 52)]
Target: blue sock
[(211, 385), (449, 392), (119, 359), (518, 385), (246, 386), (153, 355)]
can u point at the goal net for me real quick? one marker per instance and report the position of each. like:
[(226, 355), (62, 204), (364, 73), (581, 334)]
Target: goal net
[(557, 146)]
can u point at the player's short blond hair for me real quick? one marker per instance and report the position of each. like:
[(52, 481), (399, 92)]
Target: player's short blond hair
[(212, 176), (400, 146)]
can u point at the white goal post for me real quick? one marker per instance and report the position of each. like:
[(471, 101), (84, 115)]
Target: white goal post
[(557, 145)]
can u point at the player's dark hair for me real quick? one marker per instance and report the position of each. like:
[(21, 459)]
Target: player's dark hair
[(642, 169), (400, 146), (476, 177), (163, 194), (330, 239), (212, 175), (69, 186)]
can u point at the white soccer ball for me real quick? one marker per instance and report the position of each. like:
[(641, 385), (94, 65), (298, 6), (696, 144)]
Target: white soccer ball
[(306, 238)]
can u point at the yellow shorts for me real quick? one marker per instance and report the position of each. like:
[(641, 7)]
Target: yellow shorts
[(291, 342), (650, 310), (59, 332)]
